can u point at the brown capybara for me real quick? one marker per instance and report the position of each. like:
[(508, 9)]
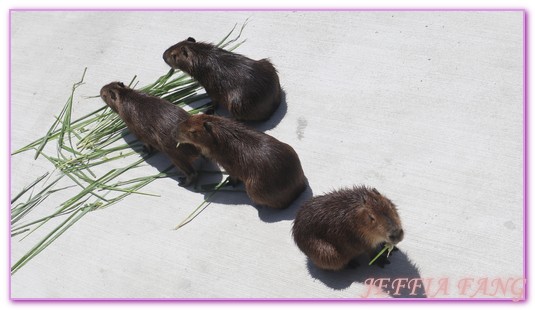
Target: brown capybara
[(153, 121), (270, 170), (248, 89), (335, 228)]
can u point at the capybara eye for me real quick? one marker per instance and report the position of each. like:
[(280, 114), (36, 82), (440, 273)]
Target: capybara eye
[(184, 52)]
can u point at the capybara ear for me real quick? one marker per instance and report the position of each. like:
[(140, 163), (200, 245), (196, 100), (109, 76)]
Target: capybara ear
[(185, 51), (114, 94), (190, 39), (121, 84), (208, 126)]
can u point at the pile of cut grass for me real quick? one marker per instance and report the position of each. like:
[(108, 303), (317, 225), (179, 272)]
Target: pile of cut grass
[(90, 141)]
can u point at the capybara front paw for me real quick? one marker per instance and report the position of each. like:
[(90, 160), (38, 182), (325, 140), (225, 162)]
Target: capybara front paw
[(233, 181), (148, 149), (353, 264), (186, 181), (211, 109), (382, 261)]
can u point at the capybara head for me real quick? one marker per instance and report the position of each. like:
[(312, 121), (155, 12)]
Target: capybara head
[(181, 55), (112, 93), (378, 218), (198, 130)]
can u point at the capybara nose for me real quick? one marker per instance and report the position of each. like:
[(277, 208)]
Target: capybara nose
[(396, 235)]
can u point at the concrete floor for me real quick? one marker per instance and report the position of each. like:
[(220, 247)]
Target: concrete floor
[(425, 106)]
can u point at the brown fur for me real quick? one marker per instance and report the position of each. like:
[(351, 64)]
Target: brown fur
[(270, 169), (152, 120), (248, 89), (337, 227)]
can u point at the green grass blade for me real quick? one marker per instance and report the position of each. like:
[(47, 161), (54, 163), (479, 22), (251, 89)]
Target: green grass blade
[(237, 37), (56, 123), (91, 140), (388, 247), (27, 188), (202, 206), (53, 235)]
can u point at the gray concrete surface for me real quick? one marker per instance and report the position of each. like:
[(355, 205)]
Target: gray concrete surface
[(425, 106)]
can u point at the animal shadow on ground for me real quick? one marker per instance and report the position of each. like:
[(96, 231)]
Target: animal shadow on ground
[(275, 119), (159, 160), (263, 126), (270, 215), (396, 277), (237, 195)]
